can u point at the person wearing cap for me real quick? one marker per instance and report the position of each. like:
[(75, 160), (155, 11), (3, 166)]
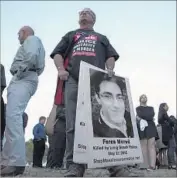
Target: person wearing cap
[(83, 44)]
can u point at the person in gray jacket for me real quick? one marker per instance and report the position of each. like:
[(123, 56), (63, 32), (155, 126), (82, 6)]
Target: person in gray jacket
[(27, 65)]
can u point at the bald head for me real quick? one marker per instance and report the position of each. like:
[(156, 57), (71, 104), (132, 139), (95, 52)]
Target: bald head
[(24, 32)]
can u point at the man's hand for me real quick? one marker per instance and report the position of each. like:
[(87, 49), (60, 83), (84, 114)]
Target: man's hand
[(63, 74), (110, 72)]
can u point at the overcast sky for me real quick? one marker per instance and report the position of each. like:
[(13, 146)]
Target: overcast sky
[(142, 32)]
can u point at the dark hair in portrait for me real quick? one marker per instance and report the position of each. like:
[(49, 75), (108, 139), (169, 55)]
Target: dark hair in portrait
[(97, 79)]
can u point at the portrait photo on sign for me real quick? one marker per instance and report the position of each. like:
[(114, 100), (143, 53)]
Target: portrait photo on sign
[(110, 106)]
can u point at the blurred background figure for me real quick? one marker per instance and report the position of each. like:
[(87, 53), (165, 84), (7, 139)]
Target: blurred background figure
[(3, 86), (147, 133), (57, 141), (162, 149), (39, 142), (174, 120), (168, 134)]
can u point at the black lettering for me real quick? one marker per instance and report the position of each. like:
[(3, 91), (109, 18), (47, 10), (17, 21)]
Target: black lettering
[(111, 153), (82, 146), (123, 147), (97, 147), (109, 141), (123, 141), (133, 147), (123, 152), (82, 123)]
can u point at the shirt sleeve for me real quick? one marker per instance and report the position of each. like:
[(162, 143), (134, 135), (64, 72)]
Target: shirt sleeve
[(110, 51), (35, 131), (61, 46), (31, 48)]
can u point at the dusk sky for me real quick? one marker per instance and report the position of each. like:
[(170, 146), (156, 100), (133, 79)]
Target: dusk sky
[(142, 32)]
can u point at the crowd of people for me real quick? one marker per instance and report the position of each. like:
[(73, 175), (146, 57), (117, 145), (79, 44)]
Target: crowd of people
[(83, 44)]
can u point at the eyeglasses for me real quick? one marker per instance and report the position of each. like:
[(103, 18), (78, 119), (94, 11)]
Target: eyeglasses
[(111, 98), (85, 12)]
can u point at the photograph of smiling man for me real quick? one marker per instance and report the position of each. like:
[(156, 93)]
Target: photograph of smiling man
[(110, 106)]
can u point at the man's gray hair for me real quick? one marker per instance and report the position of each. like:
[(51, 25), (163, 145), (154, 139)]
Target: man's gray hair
[(91, 12)]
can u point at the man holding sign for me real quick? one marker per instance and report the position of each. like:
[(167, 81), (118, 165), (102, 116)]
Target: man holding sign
[(89, 46)]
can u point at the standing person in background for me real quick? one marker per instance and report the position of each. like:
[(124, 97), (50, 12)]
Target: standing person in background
[(39, 142), (147, 133), (3, 86), (162, 156), (28, 64), (168, 137), (57, 141), (174, 120)]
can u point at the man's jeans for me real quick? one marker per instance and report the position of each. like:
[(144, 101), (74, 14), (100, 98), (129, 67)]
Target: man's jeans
[(19, 93), (71, 89)]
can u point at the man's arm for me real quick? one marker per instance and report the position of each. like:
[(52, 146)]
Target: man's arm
[(58, 56), (110, 63), (59, 62), (111, 56), (59, 52)]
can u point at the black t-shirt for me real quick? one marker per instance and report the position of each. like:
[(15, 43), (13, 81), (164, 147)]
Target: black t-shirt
[(88, 46), (101, 129)]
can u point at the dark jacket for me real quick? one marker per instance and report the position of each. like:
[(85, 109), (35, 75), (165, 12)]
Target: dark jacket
[(174, 120), (167, 127), (147, 113), (3, 78), (100, 129)]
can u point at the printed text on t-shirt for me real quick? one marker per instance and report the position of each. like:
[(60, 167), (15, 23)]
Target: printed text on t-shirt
[(86, 46)]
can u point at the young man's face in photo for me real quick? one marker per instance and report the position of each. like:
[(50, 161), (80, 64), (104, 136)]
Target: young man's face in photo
[(112, 102)]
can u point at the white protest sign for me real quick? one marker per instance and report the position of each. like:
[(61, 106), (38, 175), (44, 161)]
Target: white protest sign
[(108, 134), (80, 143)]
